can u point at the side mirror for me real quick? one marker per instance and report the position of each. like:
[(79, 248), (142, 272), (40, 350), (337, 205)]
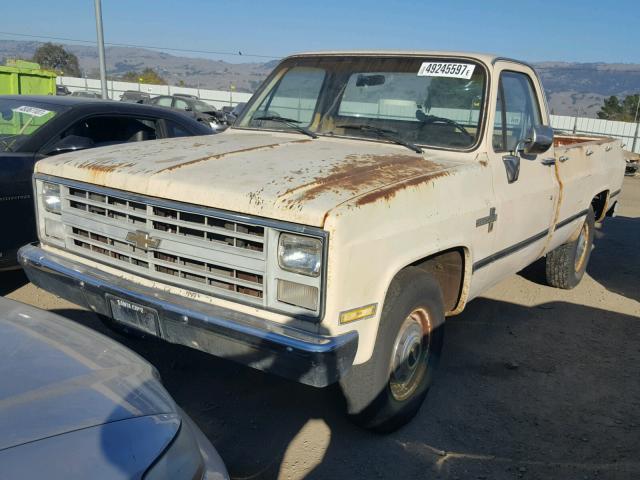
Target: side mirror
[(70, 143), (188, 109), (539, 140)]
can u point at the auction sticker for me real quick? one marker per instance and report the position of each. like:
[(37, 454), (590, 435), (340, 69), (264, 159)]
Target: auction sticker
[(33, 111), (451, 70)]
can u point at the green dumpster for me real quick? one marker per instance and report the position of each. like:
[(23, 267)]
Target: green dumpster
[(26, 78)]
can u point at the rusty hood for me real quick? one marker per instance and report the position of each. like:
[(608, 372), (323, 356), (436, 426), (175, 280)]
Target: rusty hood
[(283, 176)]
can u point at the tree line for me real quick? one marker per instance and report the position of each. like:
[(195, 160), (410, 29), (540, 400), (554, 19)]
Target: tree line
[(55, 57), (624, 110)]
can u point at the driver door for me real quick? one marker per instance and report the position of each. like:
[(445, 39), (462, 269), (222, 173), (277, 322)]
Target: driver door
[(525, 207)]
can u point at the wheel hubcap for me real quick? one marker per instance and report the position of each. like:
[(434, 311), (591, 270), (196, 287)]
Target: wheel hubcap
[(581, 247), (410, 354)]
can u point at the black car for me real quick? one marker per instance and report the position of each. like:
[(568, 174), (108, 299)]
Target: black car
[(192, 106), (74, 404), (134, 96), (232, 113), (62, 90), (85, 94), (33, 127)]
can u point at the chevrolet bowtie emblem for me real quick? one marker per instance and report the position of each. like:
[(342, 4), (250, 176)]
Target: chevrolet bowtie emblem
[(141, 239)]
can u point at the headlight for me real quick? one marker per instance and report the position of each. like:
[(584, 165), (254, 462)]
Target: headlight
[(300, 254), (51, 197)]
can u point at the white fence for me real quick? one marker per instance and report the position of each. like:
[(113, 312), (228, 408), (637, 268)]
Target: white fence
[(627, 132), (217, 98)]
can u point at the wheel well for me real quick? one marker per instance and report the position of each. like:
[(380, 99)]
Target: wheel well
[(447, 268), (599, 203)]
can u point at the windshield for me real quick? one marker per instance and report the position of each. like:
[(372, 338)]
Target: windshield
[(424, 101), (201, 106), (19, 119)]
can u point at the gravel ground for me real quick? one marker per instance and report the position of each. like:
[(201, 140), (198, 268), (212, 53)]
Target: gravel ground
[(534, 383)]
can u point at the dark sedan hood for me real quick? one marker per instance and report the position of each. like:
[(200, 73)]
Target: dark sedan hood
[(57, 376)]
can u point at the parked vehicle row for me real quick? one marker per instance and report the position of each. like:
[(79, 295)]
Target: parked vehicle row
[(191, 105), (194, 107)]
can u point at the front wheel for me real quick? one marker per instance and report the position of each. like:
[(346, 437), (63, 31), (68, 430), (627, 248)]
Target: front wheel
[(387, 391), (565, 266)]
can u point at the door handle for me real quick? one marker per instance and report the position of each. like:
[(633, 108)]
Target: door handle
[(548, 161), (564, 158)]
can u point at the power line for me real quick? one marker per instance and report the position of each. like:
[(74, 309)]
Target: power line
[(255, 55), (594, 69), (92, 42)]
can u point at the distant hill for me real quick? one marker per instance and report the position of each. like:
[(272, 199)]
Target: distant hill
[(579, 88), (572, 88), (194, 72)]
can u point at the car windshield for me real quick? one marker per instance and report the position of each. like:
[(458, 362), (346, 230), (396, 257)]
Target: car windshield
[(435, 102), (201, 106), (19, 119)]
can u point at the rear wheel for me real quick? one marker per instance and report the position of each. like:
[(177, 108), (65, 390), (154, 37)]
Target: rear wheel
[(565, 266), (387, 391)]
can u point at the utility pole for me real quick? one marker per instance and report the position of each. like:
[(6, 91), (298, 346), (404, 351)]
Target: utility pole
[(103, 66)]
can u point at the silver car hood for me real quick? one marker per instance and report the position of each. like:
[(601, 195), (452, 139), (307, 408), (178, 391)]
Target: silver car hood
[(57, 376)]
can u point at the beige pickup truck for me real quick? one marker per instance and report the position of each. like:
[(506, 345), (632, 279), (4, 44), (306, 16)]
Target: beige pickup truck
[(360, 199)]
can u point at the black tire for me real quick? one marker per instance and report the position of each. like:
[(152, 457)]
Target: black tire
[(376, 399), (121, 329), (565, 266)]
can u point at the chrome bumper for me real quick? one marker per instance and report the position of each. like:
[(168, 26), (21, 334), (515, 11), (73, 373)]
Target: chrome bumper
[(292, 353)]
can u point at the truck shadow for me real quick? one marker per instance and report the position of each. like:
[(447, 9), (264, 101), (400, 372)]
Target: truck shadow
[(547, 392), (615, 261)]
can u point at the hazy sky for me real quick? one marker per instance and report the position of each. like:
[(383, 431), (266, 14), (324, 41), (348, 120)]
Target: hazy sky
[(571, 30)]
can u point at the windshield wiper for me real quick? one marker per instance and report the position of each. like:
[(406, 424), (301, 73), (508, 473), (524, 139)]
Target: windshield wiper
[(289, 122), (386, 133), (8, 141)]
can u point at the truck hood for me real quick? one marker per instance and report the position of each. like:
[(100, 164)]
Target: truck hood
[(60, 377), (283, 176)]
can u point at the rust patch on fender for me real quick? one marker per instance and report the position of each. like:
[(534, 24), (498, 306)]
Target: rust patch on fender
[(362, 172), (233, 152)]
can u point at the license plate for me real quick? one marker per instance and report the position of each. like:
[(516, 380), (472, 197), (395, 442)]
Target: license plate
[(134, 315)]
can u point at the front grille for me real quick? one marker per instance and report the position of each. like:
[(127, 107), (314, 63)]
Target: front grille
[(198, 251)]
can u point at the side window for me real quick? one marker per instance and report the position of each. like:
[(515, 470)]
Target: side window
[(175, 130), (180, 104), (517, 110), (499, 133), (110, 130), (163, 101)]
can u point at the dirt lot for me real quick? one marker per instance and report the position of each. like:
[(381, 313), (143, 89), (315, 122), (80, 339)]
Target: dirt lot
[(534, 383)]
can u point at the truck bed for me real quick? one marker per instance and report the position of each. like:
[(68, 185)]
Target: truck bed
[(562, 140)]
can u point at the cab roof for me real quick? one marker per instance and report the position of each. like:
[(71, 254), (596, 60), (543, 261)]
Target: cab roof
[(486, 58)]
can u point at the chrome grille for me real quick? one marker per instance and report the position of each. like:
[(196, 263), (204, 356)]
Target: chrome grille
[(205, 252)]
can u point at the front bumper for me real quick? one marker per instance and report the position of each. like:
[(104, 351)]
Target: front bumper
[(289, 352)]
